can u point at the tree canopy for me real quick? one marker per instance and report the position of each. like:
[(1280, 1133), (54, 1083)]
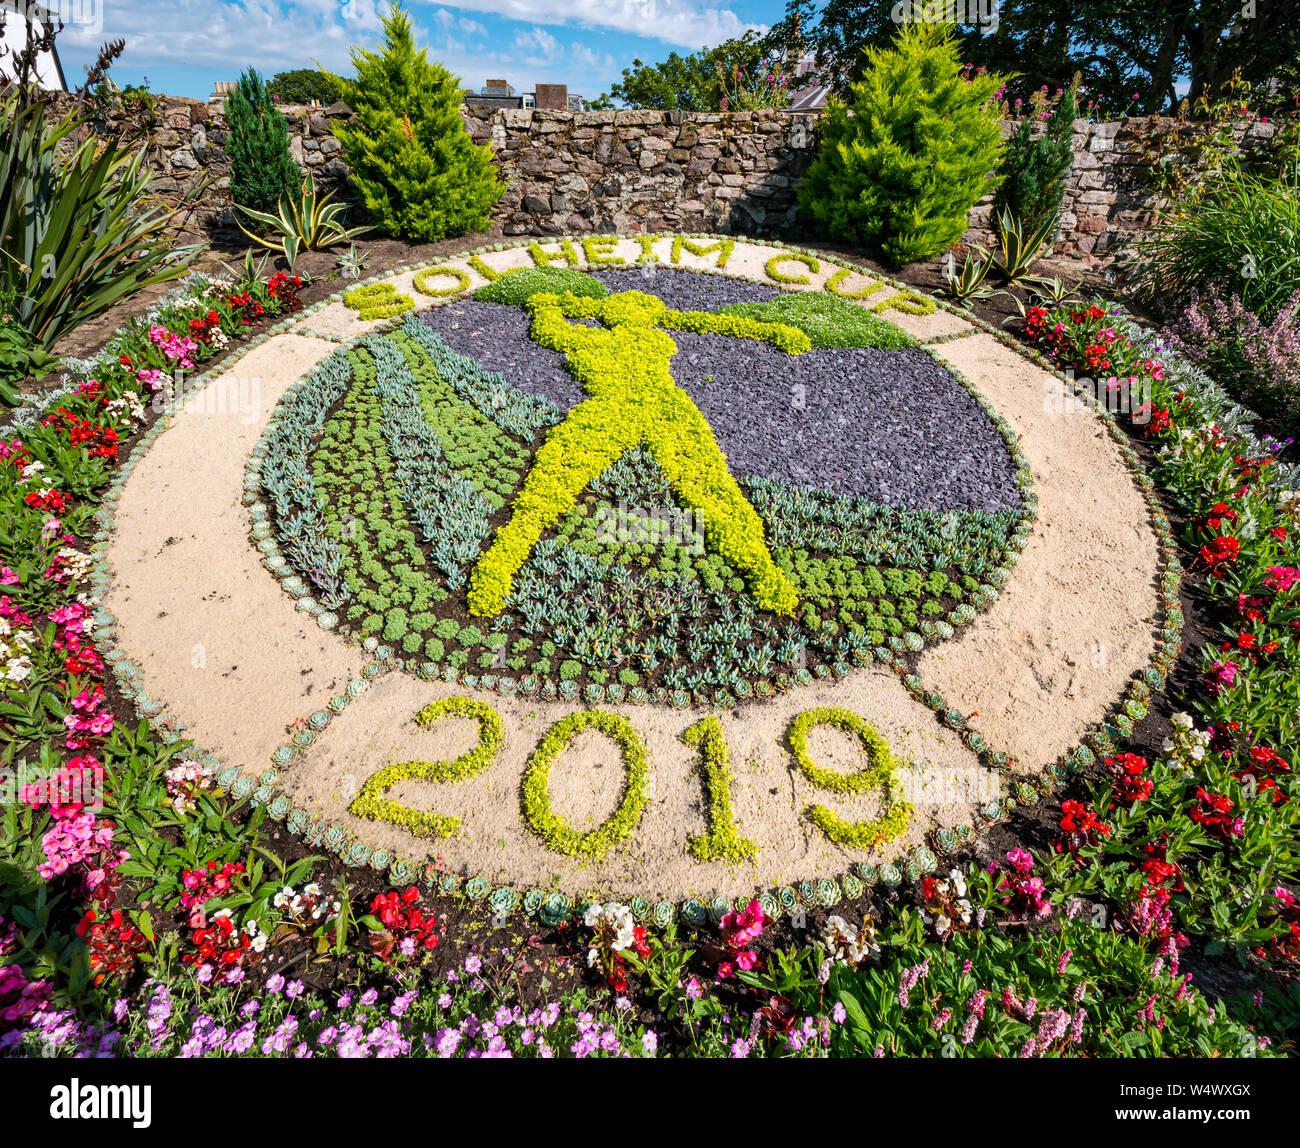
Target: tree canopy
[(687, 82), (1122, 48)]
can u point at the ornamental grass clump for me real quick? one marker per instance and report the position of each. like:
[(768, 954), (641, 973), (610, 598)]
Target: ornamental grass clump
[(1242, 236), (904, 169), (413, 164)]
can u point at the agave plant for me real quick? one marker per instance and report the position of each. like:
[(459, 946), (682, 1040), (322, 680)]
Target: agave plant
[(1019, 249), (1052, 289), (74, 239), (352, 262), (305, 222), (968, 284)]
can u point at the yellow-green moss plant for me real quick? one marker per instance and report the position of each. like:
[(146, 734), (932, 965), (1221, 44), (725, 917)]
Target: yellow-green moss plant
[(557, 833), (371, 801), (881, 774)]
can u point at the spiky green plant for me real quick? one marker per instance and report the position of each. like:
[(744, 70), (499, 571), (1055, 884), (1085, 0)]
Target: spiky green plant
[(77, 234), (304, 222), (969, 284), (1020, 246)]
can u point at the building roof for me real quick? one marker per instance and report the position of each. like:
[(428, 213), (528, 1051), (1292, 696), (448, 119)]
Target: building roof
[(809, 93), (49, 69)]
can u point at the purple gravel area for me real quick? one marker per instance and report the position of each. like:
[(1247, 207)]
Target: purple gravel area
[(688, 290), (889, 425)]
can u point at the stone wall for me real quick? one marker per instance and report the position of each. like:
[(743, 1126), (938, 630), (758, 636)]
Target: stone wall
[(647, 170), (1111, 200), (186, 144)]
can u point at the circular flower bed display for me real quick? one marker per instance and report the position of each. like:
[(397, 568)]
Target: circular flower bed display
[(679, 568)]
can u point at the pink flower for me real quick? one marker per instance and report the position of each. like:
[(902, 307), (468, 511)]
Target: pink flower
[(1281, 578), (1020, 860)]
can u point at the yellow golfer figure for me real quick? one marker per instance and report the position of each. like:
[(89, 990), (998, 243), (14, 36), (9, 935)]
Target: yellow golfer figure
[(634, 402)]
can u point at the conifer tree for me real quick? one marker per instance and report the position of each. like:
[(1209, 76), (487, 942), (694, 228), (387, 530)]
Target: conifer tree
[(903, 171), (261, 169), (1035, 170), (413, 163)]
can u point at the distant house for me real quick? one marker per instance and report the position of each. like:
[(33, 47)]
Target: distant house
[(494, 94), (500, 94), (16, 14), (808, 93)]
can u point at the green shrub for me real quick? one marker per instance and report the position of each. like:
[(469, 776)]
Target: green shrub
[(1242, 236), (434, 649), (413, 164), (302, 85), (1035, 170), (262, 172), (515, 288), (903, 171)]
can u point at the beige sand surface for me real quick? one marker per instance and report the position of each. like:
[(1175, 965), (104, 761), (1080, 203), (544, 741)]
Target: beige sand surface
[(225, 651), (221, 645), (1077, 619)]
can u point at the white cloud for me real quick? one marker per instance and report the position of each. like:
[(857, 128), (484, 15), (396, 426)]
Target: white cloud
[(678, 22), (450, 23), (226, 36), (232, 36), (537, 44), (593, 61)]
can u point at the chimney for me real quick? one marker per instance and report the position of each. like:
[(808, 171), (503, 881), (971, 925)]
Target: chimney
[(553, 97), (794, 47)]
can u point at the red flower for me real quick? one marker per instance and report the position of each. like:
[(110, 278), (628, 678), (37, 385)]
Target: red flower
[(1219, 553)]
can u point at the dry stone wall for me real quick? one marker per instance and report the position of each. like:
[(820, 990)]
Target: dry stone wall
[(625, 171), (646, 170), (1111, 199)]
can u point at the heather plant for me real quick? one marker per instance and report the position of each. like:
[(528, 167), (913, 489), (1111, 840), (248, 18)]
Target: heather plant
[(262, 172), (413, 164), (901, 166), (1257, 362)]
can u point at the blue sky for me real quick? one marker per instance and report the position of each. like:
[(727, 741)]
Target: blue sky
[(184, 46)]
